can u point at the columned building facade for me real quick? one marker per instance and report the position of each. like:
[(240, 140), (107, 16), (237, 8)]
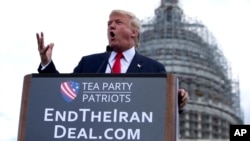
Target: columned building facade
[(188, 49)]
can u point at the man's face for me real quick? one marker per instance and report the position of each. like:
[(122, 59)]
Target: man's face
[(120, 34)]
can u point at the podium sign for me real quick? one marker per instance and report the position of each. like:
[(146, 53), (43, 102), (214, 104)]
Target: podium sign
[(97, 107)]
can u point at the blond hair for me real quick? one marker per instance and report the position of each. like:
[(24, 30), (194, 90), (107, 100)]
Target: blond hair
[(134, 23)]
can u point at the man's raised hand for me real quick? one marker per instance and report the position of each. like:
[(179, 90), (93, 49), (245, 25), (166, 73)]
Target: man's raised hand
[(45, 52)]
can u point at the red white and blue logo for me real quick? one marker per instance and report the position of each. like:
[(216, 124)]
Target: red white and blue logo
[(69, 90)]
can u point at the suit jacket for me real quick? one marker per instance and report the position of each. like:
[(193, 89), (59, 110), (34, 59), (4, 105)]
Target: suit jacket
[(97, 63)]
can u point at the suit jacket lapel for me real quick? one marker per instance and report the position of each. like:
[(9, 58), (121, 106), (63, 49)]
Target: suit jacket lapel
[(104, 57), (136, 65)]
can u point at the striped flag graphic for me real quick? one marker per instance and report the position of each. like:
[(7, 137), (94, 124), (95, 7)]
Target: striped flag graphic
[(69, 90)]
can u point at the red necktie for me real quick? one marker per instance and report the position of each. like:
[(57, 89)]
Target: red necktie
[(117, 65)]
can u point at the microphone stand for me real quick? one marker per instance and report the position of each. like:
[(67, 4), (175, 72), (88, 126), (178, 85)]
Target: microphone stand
[(109, 49)]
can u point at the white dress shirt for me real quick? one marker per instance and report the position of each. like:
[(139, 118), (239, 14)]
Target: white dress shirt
[(128, 55)]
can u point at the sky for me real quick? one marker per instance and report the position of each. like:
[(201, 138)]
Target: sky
[(78, 28)]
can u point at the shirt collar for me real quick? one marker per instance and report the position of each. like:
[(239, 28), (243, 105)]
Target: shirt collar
[(128, 55)]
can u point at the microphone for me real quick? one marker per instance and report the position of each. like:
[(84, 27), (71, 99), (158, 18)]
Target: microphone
[(109, 49)]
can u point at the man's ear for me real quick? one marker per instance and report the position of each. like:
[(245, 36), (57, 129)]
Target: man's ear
[(134, 33)]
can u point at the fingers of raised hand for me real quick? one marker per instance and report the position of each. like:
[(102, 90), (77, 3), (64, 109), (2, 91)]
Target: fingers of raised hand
[(40, 41), (46, 49)]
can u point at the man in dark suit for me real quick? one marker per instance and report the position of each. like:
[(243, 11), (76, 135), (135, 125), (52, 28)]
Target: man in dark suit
[(123, 36)]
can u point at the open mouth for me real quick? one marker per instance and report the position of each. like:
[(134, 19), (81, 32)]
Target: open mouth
[(112, 34)]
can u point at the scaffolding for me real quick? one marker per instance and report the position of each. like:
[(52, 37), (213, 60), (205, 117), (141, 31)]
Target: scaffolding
[(187, 48)]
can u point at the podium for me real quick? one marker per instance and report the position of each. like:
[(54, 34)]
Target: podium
[(99, 107)]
